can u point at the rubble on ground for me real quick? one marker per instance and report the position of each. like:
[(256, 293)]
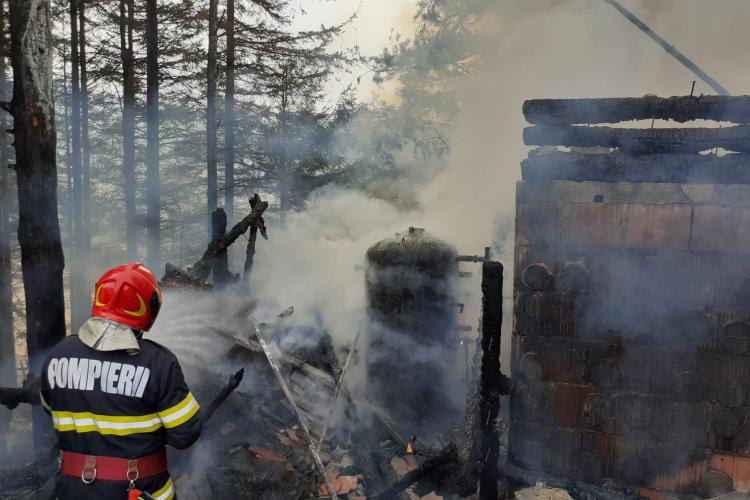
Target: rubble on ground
[(542, 493)]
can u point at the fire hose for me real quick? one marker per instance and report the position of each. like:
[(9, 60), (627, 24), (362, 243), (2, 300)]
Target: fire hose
[(285, 388)]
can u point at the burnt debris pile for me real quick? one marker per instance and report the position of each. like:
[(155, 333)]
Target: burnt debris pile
[(389, 415), (631, 344)]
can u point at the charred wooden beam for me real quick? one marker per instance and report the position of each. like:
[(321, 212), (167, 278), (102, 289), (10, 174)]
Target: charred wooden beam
[(339, 387), (448, 456), (223, 394), (615, 167), (202, 268), (382, 416), (642, 141), (668, 47), (312, 446), (254, 346), (174, 277), (200, 271), (619, 109)]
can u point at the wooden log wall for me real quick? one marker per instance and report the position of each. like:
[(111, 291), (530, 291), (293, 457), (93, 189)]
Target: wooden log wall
[(680, 109), (632, 154), (631, 341)]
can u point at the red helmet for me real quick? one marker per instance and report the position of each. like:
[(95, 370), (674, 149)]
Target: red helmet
[(128, 294)]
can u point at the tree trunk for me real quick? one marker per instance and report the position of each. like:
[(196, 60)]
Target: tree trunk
[(211, 108), (85, 285), (76, 277), (42, 258), (7, 340), (680, 109), (642, 141), (68, 208), (153, 187), (229, 118), (85, 143), (128, 125), (284, 171)]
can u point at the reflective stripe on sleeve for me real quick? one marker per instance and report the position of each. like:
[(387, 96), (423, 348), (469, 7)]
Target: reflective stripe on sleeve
[(44, 403), (81, 422), (166, 492), (179, 413)]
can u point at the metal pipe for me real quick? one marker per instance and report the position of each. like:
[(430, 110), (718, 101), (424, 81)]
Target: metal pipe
[(669, 48), (470, 258)]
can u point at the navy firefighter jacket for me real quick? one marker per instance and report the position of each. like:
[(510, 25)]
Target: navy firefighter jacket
[(117, 404)]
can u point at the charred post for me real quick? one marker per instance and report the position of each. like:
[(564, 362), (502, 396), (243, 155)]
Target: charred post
[(259, 226), (491, 380), (222, 276)]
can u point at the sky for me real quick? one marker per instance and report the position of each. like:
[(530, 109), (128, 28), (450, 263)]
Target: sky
[(711, 32), (371, 29)]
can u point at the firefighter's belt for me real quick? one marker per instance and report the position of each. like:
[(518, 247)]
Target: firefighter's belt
[(90, 467)]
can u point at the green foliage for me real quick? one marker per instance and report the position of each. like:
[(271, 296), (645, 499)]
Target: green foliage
[(291, 135), (426, 72)]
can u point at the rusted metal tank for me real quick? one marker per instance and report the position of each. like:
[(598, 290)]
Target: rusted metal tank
[(410, 281)]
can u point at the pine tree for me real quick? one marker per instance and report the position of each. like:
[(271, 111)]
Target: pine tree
[(153, 181), (42, 258)]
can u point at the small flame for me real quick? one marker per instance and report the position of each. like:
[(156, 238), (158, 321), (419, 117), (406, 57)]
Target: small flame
[(410, 448)]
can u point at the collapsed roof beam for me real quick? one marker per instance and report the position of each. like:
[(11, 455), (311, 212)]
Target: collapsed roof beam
[(669, 48)]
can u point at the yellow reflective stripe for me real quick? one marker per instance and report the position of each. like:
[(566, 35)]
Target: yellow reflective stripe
[(179, 413), (166, 492), (179, 406), (188, 414), (44, 403), (128, 419), (64, 421)]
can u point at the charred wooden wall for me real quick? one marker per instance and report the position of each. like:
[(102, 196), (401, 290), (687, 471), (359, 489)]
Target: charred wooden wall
[(631, 345)]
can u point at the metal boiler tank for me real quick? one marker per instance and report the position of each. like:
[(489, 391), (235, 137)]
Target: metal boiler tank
[(410, 284)]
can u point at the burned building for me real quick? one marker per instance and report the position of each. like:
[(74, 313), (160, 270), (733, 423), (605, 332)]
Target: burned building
[(411, 353), (631, 341)]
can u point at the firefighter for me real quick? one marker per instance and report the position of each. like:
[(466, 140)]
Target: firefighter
[(116, 399)]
